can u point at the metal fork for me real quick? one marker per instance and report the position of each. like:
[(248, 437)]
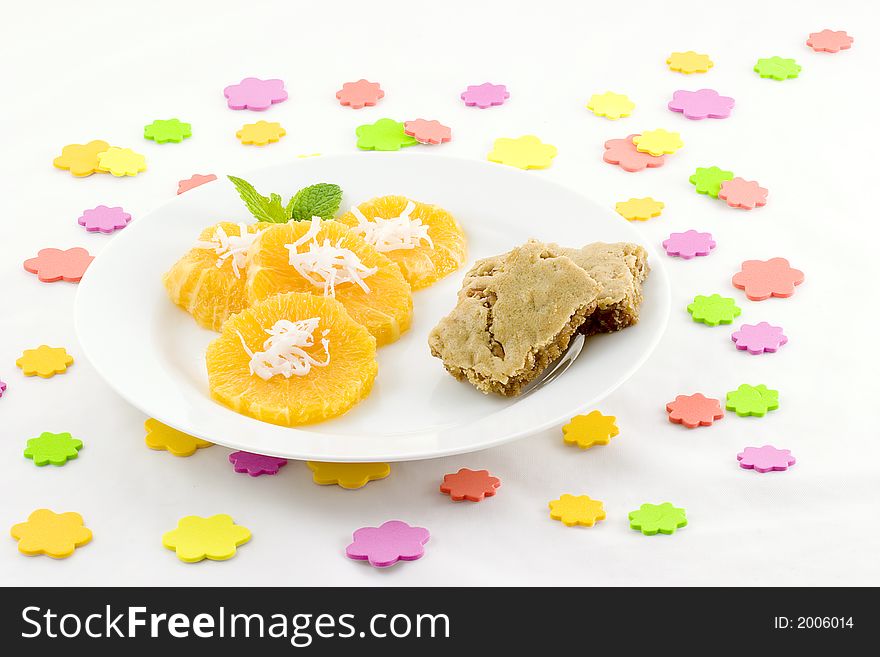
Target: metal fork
[(559, 367)]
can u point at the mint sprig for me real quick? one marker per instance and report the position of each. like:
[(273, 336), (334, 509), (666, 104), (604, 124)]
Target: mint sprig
[(321, 200)]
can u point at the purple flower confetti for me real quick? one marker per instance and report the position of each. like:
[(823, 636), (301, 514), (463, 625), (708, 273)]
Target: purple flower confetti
[(758, 338), (765, 459), (104, 219), (255, 94), (256, 464), (689, 244), (485, 95), (702, 104), (387, 544)]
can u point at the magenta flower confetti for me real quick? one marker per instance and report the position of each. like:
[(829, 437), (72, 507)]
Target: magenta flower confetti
[(256, 464), (765, 459), (485, 95), (758, 338), (689, 244), (2, 387), (388, 543), (255, 94), (104, 219), (702, 104)]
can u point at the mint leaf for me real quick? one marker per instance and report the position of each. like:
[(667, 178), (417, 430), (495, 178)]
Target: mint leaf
[(321, 200), (263, 208)]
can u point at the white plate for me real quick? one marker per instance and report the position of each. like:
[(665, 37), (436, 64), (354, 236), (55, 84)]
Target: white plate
[(152, 353)]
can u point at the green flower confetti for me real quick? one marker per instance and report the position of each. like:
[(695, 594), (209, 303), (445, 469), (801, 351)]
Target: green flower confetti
[(54, 448), (162, 131), (708, 180), (383, 135), (653, 518), (752, 400), (778, 68), (713, 310)]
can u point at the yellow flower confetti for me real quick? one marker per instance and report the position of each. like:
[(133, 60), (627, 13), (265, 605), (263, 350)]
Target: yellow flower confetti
[(81, 159), (54, 534), (639, 209), (527, 152), (575, 510), (260, 133), (347, 475), (591, 429), (611, 105), (658, 142), (121, 161), (689, 62), (161, 436), (44, 361), (197, 538)]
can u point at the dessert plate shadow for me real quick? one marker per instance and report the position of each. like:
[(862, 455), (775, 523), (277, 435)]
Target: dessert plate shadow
[(152, 353)]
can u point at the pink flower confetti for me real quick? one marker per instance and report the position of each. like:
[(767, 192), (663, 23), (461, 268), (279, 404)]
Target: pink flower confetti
[(765, 459), (689, 244), (194, 181), (694, 411), (743, 194), (624, 153), (702, 104), (387, 544), (485, 95), (2, 387), (762, 279), (360, 94), (104, 219), (758, 338), (255, 94), (256, 464), (52, 265), (829, 41), (427, 132)]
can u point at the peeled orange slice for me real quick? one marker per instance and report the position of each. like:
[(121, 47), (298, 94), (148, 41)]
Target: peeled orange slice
[(327, 259), (292, 359), (209, 281), (424, 240)]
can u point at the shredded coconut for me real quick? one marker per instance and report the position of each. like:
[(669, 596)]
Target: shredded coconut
[(392, 233), (233, 247), (284, 351), (331, 264)]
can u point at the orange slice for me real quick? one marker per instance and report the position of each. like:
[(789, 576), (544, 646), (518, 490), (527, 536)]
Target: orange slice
[(384, 307), (207, 292), (426, 262), (343, 376)]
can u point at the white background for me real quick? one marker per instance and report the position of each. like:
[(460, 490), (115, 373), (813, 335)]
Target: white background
[(102, 70)]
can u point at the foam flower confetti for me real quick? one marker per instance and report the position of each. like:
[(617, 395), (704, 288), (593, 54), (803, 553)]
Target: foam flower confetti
[(162, 437), (658, 142), (765, 459), (103, 219), (702, 104), (54, 448), (639, 209), (694, 411), (360, 94), (470, 485), (625, 154), (390, 542), (759, 338), (256, 464), (216, 537), (2, 387), (652, 519), (81, 159), (44, 361), (53, 265), (777, 68), (163, 131), (689, 244), (689, 62), (56, 535), (383, 135), (121, 162), (829, 41), (527, 152), (427, 132), (611, 105), (255, 94), (762, 279), (713, 310), (749, 400), (708, 180), (743, 194), (590, 429), (575, 510), (194, 181), (347, 475), (485, 95), (260, 133)]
